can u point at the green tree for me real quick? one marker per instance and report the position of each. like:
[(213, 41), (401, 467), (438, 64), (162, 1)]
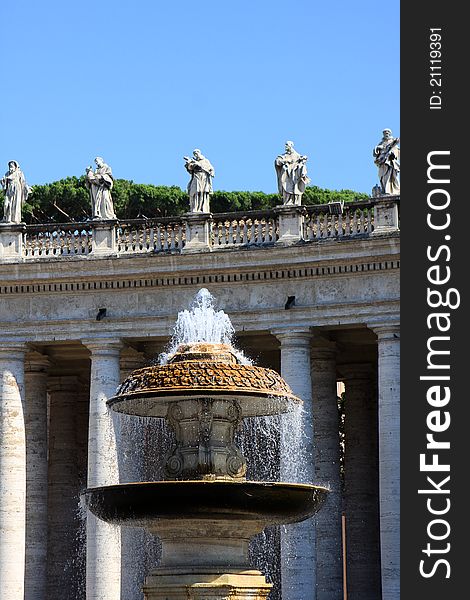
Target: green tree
[(68, 200)]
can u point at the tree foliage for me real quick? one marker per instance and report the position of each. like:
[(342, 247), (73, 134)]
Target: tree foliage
[(68, 200)]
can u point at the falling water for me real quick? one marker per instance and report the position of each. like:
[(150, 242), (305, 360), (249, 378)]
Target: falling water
[(263, 440), (275, 448), (143, 444)]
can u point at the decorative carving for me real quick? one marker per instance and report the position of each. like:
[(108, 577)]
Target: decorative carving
[(213, 376), (174, 466), (265, 275), (236, 463), (204, 429)]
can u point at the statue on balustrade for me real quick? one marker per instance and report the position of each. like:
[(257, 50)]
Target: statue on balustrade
[(291, 171), (387, 158), (16, 192), (100, 183), (200, 184)]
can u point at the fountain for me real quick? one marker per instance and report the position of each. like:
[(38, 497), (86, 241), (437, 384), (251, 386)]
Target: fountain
[(205, 511)]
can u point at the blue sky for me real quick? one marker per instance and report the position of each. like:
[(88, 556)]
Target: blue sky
[(144, 83)]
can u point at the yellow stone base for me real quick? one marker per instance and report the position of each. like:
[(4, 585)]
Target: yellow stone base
[(201, 584)]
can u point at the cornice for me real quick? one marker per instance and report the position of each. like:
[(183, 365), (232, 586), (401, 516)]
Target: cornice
[(152, 280)]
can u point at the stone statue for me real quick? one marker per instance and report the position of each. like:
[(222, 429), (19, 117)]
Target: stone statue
[(16, 193), (387, 158), (291, 170), (200, 184), (100, 183)]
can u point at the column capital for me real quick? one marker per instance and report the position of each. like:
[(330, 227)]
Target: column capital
[(323, 349), (103, 346), (13, 351), (35, 362), (386, 331), (130, 360), (293, 336)]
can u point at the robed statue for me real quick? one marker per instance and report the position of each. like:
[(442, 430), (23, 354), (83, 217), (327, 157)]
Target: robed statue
[(387, 158), (200, 184), (100, 183), (291, 171), (16, 192)]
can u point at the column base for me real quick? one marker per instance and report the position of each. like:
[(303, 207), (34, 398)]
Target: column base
[(205, 583)]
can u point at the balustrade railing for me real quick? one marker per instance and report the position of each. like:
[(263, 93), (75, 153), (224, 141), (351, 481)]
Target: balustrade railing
[(61, 239), (151, 235), (251, 228), (223, 230), (355, 219)]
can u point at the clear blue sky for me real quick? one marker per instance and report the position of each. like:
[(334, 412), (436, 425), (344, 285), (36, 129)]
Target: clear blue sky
[(143, 83)]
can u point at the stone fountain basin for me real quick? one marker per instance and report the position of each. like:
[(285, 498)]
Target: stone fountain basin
[(146, 503), (148, 404), (211, 373)]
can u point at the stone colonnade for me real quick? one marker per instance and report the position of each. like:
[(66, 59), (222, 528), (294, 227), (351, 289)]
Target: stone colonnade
[(311, 550)]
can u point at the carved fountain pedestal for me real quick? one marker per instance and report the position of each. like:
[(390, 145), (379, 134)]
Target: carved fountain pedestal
[(205, 512)]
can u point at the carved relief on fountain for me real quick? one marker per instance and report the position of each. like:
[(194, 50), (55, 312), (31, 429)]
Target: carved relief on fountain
[(199, 368), (204, 429)]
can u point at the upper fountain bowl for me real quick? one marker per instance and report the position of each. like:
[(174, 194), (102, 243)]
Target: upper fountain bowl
[(203, 370)]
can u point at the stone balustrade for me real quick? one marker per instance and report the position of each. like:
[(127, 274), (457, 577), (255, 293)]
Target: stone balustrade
[(61, 239), (150, 235), (250, 228), (198, 232), (355, 219)]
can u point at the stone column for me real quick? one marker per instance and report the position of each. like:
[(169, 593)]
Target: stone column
[(36, 476), (388, 339), (63, 518), (329, 564), (298, 540), (12, 471), (103, 567), (361, 483)]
